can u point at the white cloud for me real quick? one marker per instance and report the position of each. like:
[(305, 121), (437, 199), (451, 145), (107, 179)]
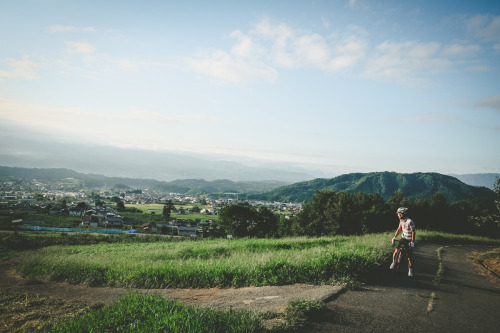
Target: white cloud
[(227, 67), (486, 27), (20, 69), (61, 29), (459, 50), (79, 47), (256, 55), (408, 63)]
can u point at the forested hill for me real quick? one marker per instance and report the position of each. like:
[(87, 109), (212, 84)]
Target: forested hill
[(415, 185)]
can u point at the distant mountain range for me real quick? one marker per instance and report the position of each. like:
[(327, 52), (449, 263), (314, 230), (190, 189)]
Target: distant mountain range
[(147, 164), (415, 185), (479, 179), (183, 186)]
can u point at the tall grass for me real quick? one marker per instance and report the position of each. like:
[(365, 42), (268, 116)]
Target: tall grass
[(153, 313), (211, 263), (221, 262)]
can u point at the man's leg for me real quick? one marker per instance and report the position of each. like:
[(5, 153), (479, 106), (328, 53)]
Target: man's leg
[(393, 264), (410, 261)]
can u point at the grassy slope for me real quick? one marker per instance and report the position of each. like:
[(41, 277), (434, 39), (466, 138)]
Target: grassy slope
[(210, 263), (203, 264)]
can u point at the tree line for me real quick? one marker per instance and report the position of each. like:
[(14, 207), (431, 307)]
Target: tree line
[(332, 213)]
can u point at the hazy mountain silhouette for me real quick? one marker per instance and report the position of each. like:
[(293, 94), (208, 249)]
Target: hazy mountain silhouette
[(136, 163)]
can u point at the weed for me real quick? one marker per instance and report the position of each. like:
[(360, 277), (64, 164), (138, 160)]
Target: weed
[(300, 312)]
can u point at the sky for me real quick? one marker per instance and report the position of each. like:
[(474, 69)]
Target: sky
[(339, 86)]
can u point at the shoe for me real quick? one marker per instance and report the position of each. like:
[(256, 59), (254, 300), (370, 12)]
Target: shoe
[(410, 272), (392, 265)]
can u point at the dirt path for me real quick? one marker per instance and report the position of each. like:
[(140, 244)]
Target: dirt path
[(76, 298), (466, 300)]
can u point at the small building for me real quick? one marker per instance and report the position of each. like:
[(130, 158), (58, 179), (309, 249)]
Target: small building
[(91, 220), (187, 231), (113, 220), (73, 211)]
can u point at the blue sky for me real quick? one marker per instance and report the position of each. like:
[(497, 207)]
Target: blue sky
[(338, 86)]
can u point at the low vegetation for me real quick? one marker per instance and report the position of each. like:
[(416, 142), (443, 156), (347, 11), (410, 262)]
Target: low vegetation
[(152, 313), (210, 263), (220, 262)]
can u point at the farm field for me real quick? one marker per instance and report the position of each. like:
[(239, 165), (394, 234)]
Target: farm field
[(158, 210)]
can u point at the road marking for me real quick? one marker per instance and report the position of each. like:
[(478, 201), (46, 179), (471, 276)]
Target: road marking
[(437, 278), (430, 306)]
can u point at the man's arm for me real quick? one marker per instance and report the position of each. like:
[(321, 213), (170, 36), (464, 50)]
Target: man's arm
[(398, 231)]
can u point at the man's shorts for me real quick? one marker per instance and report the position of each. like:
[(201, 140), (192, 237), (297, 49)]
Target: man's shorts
[(408, 248)]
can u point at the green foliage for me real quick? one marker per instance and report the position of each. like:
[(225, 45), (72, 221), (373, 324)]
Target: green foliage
[(413, 186), (120, 206), (243, 220), (167, 209), (341, 213), (153, 313)]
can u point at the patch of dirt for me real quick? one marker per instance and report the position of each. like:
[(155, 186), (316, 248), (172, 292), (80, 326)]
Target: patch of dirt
[(32, 304), (493, 265)]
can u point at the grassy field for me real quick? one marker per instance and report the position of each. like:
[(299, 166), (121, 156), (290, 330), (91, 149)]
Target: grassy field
[(210, 263), (158, 217), (220, 262)]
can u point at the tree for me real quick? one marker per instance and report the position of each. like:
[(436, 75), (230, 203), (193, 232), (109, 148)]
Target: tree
[(267, 223), (167, 210), (237, 219), (115, 199), (440, 212), (81, 205), (398, 200), (120, 206), (242, 220), (316, 217), (489, 225), (284, 226)]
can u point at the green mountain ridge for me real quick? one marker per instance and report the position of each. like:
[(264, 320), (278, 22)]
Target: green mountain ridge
[(414, 186)]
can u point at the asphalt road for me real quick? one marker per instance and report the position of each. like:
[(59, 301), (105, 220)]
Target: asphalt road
[(466, 300)]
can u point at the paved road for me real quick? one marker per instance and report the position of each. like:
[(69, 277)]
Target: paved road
[(464, 301)]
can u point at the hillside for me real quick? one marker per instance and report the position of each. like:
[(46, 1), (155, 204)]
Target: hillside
[(415, 185), (177, 186)]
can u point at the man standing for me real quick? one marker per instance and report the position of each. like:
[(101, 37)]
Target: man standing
[(407, 226)]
